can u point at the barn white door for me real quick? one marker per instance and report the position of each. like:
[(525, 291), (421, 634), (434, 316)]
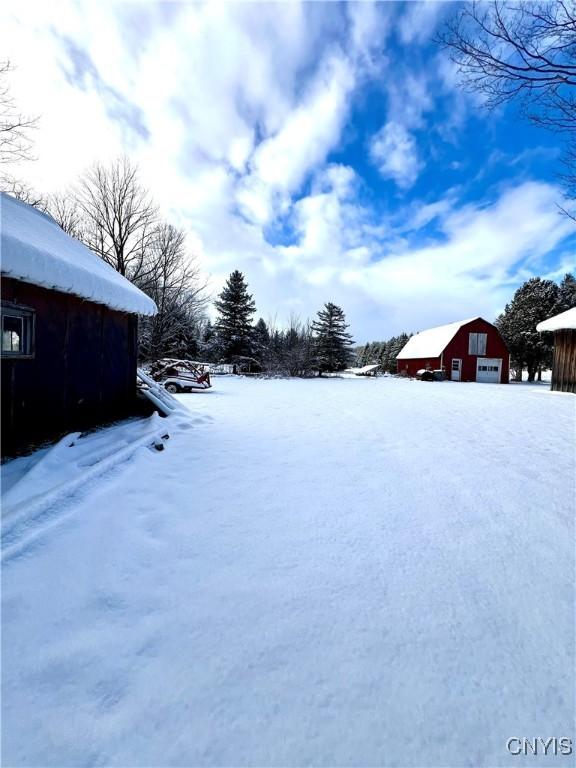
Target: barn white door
[(456, 371), (488, 369)]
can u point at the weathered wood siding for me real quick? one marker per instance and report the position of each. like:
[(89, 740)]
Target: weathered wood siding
[(564, 364), (83, 371)]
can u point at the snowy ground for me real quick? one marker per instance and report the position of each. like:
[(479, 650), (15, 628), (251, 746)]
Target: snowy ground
[(343, 572)]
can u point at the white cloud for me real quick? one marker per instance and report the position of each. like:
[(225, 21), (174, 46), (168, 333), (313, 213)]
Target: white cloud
[(418, 21), (281, 163), (370, 25), (393, 149)]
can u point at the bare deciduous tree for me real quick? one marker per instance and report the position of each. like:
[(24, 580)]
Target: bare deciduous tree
[(172, 278), (15, 142), (66, 213), (119, 216), (22, 191)]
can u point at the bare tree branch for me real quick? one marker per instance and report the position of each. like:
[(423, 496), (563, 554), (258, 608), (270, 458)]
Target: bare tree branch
[(15, 142), (119, 214), (522, 52)]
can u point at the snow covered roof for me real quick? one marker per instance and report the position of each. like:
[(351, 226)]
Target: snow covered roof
[(364, 369), (433, 342), (558, 322), (36, 250)]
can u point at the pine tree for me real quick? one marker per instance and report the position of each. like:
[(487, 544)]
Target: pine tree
[(234, 331), (333, 343), (533, 302), (384, 356), (261, 340)]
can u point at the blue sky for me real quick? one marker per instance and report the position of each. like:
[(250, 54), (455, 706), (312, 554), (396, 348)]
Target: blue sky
[(325, 149)]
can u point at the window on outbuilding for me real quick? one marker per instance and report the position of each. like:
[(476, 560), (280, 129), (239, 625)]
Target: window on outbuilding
[(477, 343), (17, 331)]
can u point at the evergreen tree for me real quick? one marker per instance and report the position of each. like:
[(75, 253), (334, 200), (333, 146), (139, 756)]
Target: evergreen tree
[(566, 294), (359, 356), (262, 346), (384, 356), (261, 340), (234, 331), (207, 343), (333, 342), (377, 348), (533, 302), (369, 354), (394, 347)]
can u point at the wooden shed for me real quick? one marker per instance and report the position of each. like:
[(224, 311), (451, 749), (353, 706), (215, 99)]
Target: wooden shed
[(69, 331), (563, 326), (468, 350)]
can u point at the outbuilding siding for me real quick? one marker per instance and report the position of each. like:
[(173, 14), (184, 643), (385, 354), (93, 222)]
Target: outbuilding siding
[(82, 372), (564, 364)]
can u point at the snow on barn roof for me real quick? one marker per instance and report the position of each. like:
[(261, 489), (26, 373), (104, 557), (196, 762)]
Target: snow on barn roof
[(559, 322), (36, 250), (433, 342)]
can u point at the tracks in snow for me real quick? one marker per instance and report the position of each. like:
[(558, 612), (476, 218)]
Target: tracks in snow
[(46, 492)]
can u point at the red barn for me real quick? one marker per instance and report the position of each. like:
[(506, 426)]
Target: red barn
[(470, 350)]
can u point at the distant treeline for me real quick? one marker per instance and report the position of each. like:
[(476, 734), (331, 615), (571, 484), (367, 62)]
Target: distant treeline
[(382, 352)]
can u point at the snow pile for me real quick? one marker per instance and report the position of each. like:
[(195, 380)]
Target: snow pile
[(433, 342), (36, 250), (323, 575), (565, 320)]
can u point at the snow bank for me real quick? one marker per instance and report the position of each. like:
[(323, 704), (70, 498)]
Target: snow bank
[(431, 343), (559, 322), (36, 250)]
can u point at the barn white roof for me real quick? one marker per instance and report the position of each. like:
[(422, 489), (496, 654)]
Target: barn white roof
[(433, 342), (559, 322), (33, 248)]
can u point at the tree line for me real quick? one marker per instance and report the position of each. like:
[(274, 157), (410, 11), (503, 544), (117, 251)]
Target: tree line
[(382, 353), (302, 349)]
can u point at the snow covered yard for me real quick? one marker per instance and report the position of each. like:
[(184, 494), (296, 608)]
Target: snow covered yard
[(341, 572)]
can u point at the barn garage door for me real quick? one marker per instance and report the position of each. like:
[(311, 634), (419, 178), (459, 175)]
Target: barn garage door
[(488, 369)]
